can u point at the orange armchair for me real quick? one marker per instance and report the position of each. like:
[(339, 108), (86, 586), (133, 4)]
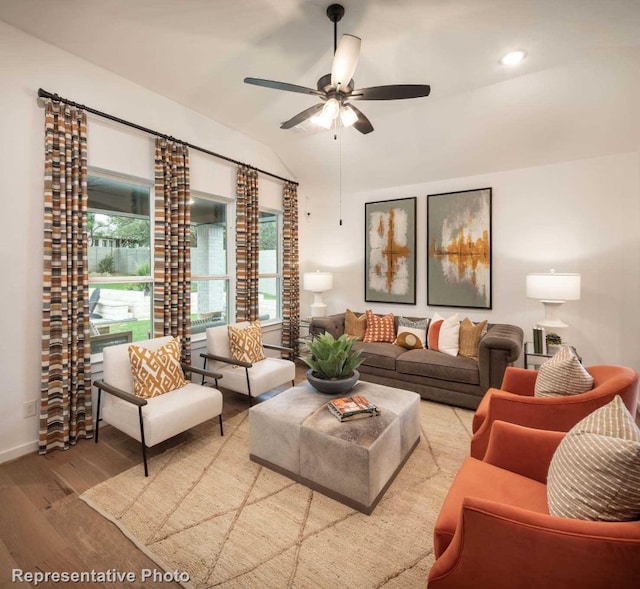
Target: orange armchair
[(514, 402), (494, 530)]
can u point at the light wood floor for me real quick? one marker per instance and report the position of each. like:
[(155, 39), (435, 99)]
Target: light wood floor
[(45, 526)]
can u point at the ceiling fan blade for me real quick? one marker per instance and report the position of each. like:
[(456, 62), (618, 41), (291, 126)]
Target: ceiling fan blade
[(302, 116), (282, 86), (345, 60), (392, 92), (363, 124)]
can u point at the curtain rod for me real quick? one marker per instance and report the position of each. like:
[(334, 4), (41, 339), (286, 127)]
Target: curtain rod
[(44, 94)]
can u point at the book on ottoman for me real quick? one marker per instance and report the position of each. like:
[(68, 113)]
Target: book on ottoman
[(349, 408)]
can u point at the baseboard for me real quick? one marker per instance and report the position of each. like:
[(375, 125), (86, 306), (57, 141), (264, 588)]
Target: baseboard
[(18, 451)]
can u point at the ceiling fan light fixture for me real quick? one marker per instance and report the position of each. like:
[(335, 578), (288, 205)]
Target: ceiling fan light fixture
[(348, 116), (513, 57), (345, 60), (331, 108), (322, 121)]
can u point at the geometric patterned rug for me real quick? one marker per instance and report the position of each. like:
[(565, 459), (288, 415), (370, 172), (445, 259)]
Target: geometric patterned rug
[(210, 513)]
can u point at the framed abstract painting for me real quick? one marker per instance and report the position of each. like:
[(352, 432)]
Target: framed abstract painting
[(390, 251), (459, 249)]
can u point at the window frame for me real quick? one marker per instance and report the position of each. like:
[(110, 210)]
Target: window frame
[(230, 254), (143, 182), (279, 274)]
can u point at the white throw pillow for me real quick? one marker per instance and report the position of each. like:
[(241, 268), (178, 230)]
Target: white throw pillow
[(444, 334)]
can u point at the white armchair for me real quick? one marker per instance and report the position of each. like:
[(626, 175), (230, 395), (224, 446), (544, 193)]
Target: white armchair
[(152, 420), (248, 378)]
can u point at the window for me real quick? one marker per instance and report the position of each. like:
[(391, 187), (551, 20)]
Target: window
[(209, 264), (269, 267), (119, 251)]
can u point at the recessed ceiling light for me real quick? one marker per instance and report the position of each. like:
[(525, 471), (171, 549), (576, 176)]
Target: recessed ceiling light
[(513, 58)]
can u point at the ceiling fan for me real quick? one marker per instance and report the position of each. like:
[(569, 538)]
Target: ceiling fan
[(337, 89)]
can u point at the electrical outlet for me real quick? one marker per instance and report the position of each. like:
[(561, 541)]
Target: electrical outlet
[(29, 409)]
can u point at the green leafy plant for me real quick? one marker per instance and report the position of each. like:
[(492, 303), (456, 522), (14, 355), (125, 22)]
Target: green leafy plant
[(107, 265), (553, 339), (333, 358)]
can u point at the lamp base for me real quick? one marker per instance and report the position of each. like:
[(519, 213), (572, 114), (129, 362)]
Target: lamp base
[(318, 310), (551, 320)]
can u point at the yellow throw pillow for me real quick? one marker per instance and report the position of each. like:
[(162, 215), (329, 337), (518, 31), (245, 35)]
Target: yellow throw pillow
[(245, 344), (470, 335), (156, 373), (355, 326)]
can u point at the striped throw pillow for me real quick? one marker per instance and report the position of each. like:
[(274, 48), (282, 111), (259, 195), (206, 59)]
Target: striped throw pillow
[(595, 472), (562, 375), (245, 343), (156, 373), (444, 334), (379, 329)]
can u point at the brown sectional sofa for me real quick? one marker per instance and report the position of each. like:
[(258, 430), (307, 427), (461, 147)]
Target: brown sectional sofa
[(434, 375)]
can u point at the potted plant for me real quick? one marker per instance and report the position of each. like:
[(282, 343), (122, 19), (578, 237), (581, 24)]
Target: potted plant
[(333, 363), (554, 342)]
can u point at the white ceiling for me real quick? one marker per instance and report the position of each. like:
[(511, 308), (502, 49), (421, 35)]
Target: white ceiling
[(577, 94)]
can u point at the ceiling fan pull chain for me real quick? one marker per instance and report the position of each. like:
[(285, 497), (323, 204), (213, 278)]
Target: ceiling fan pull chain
[(340, 175)]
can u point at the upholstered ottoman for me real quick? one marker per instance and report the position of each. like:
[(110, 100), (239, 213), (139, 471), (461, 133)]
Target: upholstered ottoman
[(353, 462)]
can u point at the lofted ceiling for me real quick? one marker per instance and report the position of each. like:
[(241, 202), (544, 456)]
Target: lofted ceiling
[(576, 95)]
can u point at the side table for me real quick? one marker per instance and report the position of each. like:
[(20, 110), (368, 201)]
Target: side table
[(533, 360)]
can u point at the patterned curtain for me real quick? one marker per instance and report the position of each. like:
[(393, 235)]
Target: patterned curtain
[(172, 244), (291, 267), (65, 405), (247, 244)]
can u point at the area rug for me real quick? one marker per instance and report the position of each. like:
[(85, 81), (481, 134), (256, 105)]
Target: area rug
[(208, 511)]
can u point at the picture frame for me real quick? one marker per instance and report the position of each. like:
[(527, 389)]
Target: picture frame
[(459, 249), (390, 251)]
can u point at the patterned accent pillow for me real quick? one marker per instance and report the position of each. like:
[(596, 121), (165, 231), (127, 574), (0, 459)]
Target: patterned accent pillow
[(380, 329), (562, 375), (444, 334), (595, 471), (407, 338), (355, 326), (419, 328), (156, 373), (469, 338), (245, 344)]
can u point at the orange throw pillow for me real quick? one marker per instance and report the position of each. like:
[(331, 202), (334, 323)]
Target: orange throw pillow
[(380, 329)]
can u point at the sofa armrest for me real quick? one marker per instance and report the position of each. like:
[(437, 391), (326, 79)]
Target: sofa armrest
[(500, 347), (522, 450), (333, 324)]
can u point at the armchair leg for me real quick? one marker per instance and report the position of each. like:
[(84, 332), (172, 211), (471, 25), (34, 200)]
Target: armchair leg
[(144, 447), (98, 416), (204, 368), (246, 371), (221, 430)]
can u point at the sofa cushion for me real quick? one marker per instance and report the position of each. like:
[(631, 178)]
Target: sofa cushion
[(470, 334), (379, 354), (438, 365), (471, 481), (444, 334), (409, 339), (245, 343), (562, 375), (355, 326), (417, 327), (595, 472), (380, 329)]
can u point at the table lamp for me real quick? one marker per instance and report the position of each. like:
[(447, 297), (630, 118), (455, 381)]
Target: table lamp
[(318, 282), (552, 289)]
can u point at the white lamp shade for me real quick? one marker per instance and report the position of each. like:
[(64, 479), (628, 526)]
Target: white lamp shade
[(553, 286), (318, 281)]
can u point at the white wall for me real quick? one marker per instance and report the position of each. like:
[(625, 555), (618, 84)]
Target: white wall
[(26, 65), (579, 216)]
